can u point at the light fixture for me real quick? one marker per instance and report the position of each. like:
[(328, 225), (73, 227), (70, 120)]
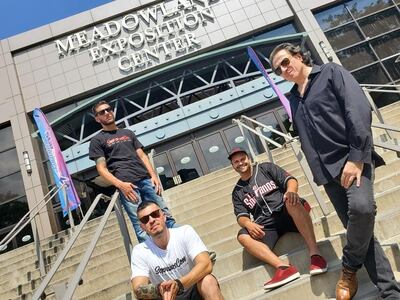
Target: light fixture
[(326, 51), (27, 162), (26, 238)]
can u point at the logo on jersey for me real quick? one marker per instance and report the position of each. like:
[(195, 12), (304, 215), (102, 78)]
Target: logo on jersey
[(264, 189), (117, 140), (259, 191), (179, 262)]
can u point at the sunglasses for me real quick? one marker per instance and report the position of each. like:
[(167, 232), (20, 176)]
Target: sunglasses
[(155, 214), (284, 63), (104, 111)]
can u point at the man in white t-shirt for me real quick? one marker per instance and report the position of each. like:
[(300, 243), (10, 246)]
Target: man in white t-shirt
[(173, 263)]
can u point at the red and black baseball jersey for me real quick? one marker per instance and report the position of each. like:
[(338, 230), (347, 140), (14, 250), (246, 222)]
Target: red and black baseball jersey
[(262, 194)]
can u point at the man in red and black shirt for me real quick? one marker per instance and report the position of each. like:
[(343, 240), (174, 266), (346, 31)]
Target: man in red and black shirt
[(267, 205)]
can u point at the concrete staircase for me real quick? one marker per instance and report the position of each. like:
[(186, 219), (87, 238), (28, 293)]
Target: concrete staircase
[(205, 203)]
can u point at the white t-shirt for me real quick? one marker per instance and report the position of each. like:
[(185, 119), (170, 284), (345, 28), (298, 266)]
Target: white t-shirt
[(176, 261)]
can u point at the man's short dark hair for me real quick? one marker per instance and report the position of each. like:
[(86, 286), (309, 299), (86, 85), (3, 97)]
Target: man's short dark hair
[(293, 50), (144, 204), (97, 104)]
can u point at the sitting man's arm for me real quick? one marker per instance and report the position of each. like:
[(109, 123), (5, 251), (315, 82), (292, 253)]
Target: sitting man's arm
[(143, 289), (291, 196), (203, 266), (255, 230)]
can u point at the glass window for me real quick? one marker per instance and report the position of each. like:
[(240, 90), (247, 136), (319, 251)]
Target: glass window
[(361, 8), (286, 122), (380, 23), (11, 212), (214, 152), (25, 236), (283, 30), (55, 114), (164, 170), (186, 162), (356, 56), (6, 138), (269, 119), (344, 36), (333, 17), (11, 187), (383, 99), (387, 44), (8, 162), (371, 74), (393, 67)]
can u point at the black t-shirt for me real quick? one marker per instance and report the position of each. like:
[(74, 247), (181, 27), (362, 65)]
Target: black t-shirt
[(118, 147), (262, 194)]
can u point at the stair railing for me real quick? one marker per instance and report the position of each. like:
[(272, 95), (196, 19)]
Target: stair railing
[(24, 221), (295, 147), (66, 290), (383, 88)]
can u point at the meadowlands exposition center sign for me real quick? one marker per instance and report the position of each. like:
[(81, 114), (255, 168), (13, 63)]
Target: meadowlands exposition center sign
[(144, 38)]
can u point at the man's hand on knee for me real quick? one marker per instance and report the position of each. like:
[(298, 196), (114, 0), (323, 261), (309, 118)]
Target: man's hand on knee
[(255, 230), (291, 198)]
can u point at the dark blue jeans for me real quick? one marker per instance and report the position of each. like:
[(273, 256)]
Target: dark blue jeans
[(356, 209), (145, 192)]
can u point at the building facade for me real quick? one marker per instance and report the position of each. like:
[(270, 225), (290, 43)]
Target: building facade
[(176, 73)]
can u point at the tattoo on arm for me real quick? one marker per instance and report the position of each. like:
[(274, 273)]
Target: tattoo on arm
[(100, 160), (147, 291)]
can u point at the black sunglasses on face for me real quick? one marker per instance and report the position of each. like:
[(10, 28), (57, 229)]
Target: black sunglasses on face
[(104, 111), (284, 63), (155, 214)]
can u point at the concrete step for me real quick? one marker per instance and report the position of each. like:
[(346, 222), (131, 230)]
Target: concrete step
[(177, 199), (386, 227), (226, 186), (29, 272), (313, 288), (104, 258), (226, 226), (243, 284), (80, 245)]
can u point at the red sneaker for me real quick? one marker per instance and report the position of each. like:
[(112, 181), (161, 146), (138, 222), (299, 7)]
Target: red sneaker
[(282, 277), (318, 265), (307, 206)]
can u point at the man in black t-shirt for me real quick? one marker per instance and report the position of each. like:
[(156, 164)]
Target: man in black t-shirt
[(266, 205), (120, 159)]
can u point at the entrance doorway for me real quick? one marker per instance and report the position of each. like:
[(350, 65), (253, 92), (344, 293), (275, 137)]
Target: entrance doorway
[(207, 151)]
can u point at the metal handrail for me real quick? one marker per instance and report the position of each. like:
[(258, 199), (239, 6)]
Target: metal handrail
[(69, 288), (12, 234), (297, 151), (21, 225), (382, 124), (73, 283)]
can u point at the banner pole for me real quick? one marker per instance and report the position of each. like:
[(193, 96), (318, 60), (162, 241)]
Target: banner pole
[(71, 219)]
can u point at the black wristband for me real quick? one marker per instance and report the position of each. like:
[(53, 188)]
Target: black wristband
[(181, 288)]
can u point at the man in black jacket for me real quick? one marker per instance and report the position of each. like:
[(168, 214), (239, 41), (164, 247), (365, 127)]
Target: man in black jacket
[(333, 118), (268, 194)]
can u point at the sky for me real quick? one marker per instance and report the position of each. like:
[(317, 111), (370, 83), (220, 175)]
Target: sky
[(17, 16)]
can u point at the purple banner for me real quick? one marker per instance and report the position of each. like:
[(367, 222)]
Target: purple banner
[(58, 166), (285, 102)]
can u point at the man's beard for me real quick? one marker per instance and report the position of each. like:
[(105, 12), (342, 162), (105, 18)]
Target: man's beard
[(109, 122), (157, 234)]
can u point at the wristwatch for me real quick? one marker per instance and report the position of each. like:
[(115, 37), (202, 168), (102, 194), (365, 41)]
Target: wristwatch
[(181, 288)]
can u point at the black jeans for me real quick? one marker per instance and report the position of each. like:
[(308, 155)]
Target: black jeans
[(356, 209)]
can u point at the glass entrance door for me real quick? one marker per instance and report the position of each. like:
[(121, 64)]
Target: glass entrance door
[(164, 170), (214, 151), (186, 162)]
